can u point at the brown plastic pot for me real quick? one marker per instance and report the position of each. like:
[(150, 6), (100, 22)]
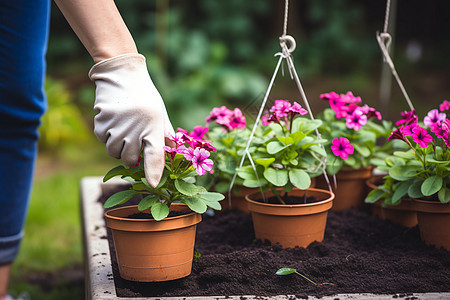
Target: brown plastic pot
[(291, 225), (351, 187), (403, 214), (434, 222), (149, 250)]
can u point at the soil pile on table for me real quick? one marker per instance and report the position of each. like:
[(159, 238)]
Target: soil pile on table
[(359, 254)]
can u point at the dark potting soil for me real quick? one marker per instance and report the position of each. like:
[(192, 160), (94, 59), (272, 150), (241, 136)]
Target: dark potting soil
[(290, 200), (143, 215), (359, 254)]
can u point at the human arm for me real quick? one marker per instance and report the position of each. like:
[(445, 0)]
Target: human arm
[(132, 115)]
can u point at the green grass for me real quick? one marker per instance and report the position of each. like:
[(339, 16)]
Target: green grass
[(53, 241)]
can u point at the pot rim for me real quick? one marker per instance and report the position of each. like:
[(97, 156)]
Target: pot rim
[(328, 199), (182, 206), (431, 206)]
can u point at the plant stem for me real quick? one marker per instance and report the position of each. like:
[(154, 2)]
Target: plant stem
[(306, 278)]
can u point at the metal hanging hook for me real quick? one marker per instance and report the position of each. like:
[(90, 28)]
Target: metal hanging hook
[(289, 41)]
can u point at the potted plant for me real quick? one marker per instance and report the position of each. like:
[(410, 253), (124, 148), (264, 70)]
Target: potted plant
[(227, 130), (154, 240), (352, 145), (421, 173), (285, 155)]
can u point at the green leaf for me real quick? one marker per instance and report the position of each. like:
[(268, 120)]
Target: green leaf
[(147, 202), (394, 161), (431, 185), (402, 173), (444, 195), (265, 162), (211, 196), (297, 137), (406, 155), (363, 150), (214, 205), (119, 198), (246, 173), (374, 196), (400, 191), (414, 190), (196, 204), (276, 177), (253, 183), (286, 271), (119, 170), (275, 147), (299, 179), (159, 210), (186, 188), (285, 140), (140, 186)]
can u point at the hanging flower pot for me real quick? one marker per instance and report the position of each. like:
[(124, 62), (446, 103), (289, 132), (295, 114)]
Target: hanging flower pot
[(403, 214), (148, 250), (291, 224), (434, 222)]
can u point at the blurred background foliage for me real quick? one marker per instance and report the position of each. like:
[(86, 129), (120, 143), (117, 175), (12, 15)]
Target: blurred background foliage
[(206, 53)]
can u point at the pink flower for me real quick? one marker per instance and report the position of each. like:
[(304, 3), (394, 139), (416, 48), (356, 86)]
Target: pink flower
[(434, 116), (237, 120), (341, 147), (371, 112), (398, 135), (442, 131), (296, 109), (356, 120), (408, 117), (218, 113), (407, 129), (332, 96), (265, 120), (349, 98), (201, 162), (198, 132), (421, 136), (281, 108), (180, 137), (203, 144), (444, 106)]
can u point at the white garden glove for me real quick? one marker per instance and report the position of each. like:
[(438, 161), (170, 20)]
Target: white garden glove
[(131, 113)]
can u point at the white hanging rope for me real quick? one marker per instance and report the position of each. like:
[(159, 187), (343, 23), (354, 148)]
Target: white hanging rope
[(384, 41)]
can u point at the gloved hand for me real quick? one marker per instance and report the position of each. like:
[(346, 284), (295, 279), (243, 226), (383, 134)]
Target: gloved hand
[(132, 115)]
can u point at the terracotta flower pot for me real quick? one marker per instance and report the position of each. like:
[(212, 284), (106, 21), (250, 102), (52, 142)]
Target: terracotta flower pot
[(149, 250), (291, 225), (403, 214), (351, 187), (434, 222)]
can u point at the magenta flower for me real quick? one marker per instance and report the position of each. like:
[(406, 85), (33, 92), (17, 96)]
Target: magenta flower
[(398, 135), (201, 162), (332, 96), (444, 106), (434, 116), (420, 135), (237, 120), (203, 144), (341, 147), (296, 109), (371, 112), (407, 129), (408, 117), (180, 137), (218, 113), (349, 98), (198, 132), (442, 130), (356, 120), (265, 120), (280, 108)]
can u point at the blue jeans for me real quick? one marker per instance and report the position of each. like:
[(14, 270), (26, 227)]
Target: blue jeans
[(23, 45)]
